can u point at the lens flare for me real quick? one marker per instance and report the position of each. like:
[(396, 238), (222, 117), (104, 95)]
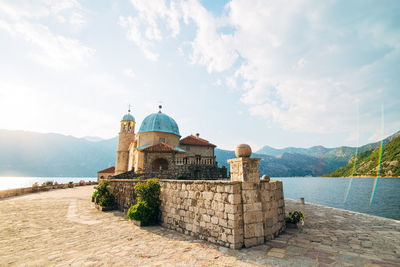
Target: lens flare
[(355, 157), (378, 172), (352, 174)]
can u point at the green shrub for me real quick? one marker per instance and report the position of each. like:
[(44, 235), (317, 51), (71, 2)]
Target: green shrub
[(142, 212), (149, 191), (107, 200), (103, 196), (146, 210), (95, 195), (71, 184), (295, 217)]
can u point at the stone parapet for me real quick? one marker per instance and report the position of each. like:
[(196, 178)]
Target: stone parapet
[(228, 213), (245, 169), (209, 210)]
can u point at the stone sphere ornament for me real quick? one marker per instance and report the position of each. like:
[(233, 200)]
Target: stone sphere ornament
[(265, 178), (243, 151)]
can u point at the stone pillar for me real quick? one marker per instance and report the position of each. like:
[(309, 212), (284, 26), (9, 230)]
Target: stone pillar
[(246, 170)]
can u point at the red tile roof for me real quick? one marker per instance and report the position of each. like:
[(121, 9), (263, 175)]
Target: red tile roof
[(196, 141), (161, 147), (108, 170)]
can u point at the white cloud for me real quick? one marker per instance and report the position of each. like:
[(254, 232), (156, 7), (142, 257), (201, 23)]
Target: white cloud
[(145, 28), (303, 64), (213, 50), (129, 73), (23, 20), (55, 50), (134, 34)]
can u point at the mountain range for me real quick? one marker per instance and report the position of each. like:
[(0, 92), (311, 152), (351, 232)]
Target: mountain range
[(36, 154), (372, 162)]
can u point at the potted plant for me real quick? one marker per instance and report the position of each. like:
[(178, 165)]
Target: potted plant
[(147, 209), (294, 219), (35, 187)]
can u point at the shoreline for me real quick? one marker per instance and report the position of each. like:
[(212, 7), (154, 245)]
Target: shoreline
[(13, 192)]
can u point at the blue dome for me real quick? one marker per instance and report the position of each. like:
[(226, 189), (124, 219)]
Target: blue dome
[(159, 122), (128, 117)]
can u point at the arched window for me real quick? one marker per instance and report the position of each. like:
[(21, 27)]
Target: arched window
[(159, 164)]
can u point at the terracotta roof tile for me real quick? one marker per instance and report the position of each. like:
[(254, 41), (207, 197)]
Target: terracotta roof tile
[(193, 140), (161, 147), (108, 170)]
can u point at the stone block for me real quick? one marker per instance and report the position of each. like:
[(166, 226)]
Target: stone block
[(234, 198), (249, 186), (269, 222), (252, 207), (223, 222), (230, 208), (250, 242), (228, 188), (249, 230), (217, 196), (221, 206), (214, 220), (252, 217), (259, 230), (251, 196)]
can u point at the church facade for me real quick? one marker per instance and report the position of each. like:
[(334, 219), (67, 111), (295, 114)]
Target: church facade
[(157, 150)]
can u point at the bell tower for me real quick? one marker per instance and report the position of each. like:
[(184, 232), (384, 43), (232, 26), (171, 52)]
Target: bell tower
[(125, 138)]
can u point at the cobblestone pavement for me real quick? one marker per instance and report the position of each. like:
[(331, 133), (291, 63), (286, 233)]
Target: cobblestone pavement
[(62, 228)]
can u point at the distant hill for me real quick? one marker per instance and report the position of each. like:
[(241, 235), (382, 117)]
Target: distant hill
[(368, 162), (343, 152), (320, 160), (36, 154), (284, 165)]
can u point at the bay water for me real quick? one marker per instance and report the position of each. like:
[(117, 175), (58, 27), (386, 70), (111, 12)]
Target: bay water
[(20, 182), (332, 192), (324, 191)]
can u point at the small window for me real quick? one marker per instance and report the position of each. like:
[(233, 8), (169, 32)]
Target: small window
[(162, 140)]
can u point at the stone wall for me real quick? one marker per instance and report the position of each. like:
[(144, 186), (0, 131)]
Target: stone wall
[(234, 214), (209, 210), (124, 192), (192, 171), (273, 208)]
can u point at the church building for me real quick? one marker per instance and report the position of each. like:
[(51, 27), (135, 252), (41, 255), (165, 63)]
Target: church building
[(157, 150)]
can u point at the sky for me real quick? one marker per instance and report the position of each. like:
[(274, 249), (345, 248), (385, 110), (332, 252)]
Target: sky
[(278, 73)]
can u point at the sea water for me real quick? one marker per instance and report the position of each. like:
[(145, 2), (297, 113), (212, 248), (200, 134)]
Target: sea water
[(325, 191), (20, 182), (332, 192)]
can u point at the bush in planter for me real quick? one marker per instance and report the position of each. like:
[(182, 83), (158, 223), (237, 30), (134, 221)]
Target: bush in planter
[(70, 184), (295, 217), (95, 195), (146, 210), (107, 200), (102, 195)]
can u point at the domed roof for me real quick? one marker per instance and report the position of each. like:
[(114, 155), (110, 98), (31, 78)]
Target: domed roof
[(128, 117), (159, 122)]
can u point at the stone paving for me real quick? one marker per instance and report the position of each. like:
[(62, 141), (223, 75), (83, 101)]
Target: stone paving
[(62, 228)]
